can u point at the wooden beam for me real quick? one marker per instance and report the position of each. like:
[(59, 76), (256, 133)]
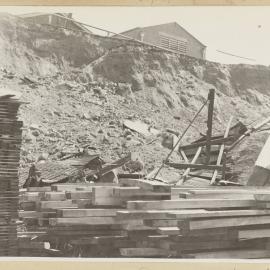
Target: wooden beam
[(203, 143), (185, 174), (153, 185), (223, 222), (55, 196), (200, 213), (220, 155), (232, 254), (253, 233), (183, 154), (264, 197), (226, 195), (190, 204), (144, 252), (161, 222), (200, 245), (142, 214), (211, 99), (56, 204), (169, 230), (79, 195), (194, 166), (84, 221), (86, 212)]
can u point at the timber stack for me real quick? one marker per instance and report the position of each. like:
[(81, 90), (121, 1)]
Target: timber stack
[(10, 143), (142, 218)]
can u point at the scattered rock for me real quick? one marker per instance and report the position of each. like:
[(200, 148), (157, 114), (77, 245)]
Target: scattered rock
[(43, 156), (137, 83), (57, 113), (149, 80), (35, 133)]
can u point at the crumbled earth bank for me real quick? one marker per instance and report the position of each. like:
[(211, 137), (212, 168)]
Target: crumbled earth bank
[(79, 89)]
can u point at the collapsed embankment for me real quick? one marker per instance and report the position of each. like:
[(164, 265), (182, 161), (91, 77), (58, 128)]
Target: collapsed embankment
[(80, 88)]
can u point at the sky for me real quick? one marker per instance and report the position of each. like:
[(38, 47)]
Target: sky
[(242, 31)]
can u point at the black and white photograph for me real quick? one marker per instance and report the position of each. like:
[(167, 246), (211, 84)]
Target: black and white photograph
[(135, 132)]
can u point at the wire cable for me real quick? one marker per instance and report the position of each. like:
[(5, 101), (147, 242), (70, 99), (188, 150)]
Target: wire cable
[(180, 138)]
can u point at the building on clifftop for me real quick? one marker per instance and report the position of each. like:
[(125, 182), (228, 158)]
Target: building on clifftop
[(54, 19), (170, 36)]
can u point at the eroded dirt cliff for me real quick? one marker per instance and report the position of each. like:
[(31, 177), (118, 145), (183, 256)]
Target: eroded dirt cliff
[(81, 88)]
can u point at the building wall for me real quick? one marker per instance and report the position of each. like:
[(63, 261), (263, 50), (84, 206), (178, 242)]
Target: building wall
[(152, 35), (52, 20)]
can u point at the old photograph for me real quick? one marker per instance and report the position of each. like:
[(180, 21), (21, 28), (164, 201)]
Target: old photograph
[(135, 132)]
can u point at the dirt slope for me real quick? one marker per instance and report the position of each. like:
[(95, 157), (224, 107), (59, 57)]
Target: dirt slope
[(82, 88)]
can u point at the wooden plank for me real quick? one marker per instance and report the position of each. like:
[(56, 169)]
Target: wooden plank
[(146, 184), (39, 189), (222, 147), (187, 195), (183, 166), (28, 206), (214, 151), (206, 214), (32, 233), (34, 245), (86, 212), (203, 143), (74, 187), (190, 204), (232, 190), (143, 252), (55, 204), (79, 195), (84, 221), (263, 205), (29, 214), (222, 222), (169, 230), (253, 233), (142, 214), (100, 240), (262, 197), (204, 236), (196, 245), (31, 197), (185, 174), (83, 203), (232, 254), (161, 223), (183, 154), (55, 196), (105, 196)]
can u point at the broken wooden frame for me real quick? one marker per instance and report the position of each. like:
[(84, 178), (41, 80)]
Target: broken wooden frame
[(206, 142)]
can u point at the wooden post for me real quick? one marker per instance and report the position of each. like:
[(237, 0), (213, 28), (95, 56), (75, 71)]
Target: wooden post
[(221, 152), (224, 164), (211, 99)]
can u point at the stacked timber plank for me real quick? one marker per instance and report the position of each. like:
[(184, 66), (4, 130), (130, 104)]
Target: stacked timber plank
[(10, 142), (139, 218), (207, 223)]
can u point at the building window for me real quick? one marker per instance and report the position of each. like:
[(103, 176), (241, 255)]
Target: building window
[(172, 43)]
